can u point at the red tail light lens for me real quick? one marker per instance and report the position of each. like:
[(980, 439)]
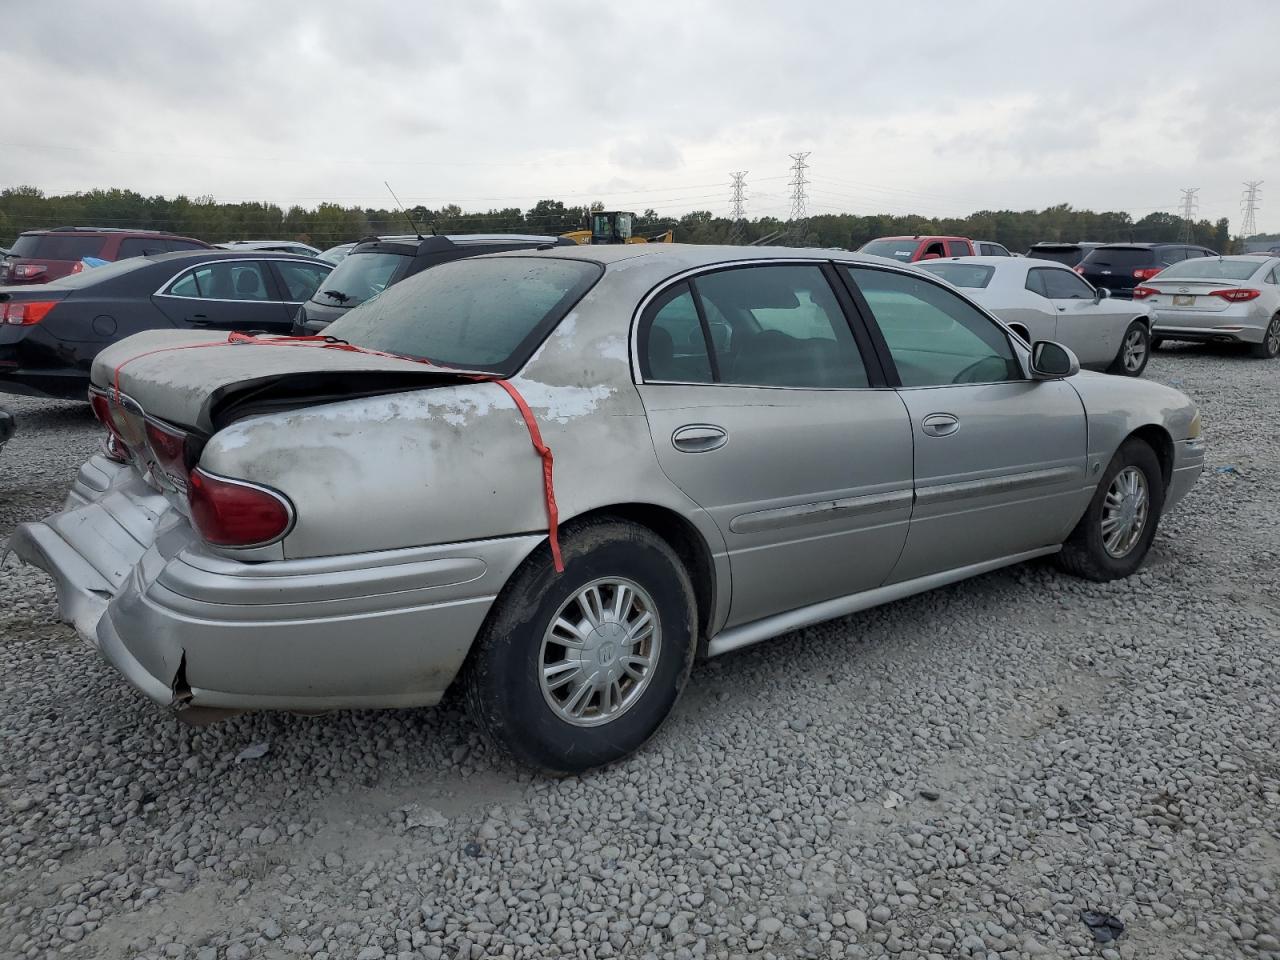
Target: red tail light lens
[(169, 451), (1079, 268), (1141, 293), (1237, 294), (25, 314), (25, 271), (233, 513), (1146, 273)]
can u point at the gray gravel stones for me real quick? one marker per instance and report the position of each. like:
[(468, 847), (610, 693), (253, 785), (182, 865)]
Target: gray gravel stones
[(956, 775)]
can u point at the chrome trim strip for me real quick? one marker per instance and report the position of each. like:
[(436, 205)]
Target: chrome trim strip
[(819, 512), (1005, 483), (261, 488), (749, 633)]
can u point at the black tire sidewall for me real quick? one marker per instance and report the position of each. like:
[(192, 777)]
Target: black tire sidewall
[(505, 683), (1133, 453)]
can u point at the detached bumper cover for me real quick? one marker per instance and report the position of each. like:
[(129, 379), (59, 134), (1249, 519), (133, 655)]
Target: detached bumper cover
[(191, 628)]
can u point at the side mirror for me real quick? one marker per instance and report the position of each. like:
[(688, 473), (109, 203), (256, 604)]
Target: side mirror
[(1100, 294), (1052, 361)]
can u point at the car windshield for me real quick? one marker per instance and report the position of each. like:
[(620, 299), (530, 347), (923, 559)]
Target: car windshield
[(1211, 268), (1125, 258), (477, 314), (362, 276), (961, 274), (56, 246), (893, 249)]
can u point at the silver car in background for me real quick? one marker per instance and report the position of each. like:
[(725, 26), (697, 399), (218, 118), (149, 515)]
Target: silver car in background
[(1044, 300), (1217, 299), (737, 442)]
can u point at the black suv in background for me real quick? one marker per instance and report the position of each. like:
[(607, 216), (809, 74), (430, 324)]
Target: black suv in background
[(375, 264), (1065, 253), (1122, 266)]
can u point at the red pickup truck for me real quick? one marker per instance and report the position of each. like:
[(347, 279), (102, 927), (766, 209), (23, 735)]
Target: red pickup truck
[(911, 249)]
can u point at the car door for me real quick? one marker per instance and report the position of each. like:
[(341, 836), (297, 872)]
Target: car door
[(765, 410), (999, 458), (1090, 326), (225, 295), (297, 280)]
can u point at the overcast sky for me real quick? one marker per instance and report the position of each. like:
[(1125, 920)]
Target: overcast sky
[(936, 108)]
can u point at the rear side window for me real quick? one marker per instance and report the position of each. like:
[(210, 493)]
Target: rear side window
[(673, 345), (225, 280), (1172, 254), (935, 337), (141, 247), (300, 279), (1063, 284), (57, 246), (478, 314), (994, 250), (957, 248), (362, 276), (177, 245)]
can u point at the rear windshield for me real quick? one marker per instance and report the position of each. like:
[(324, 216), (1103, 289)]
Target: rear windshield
[(1068, 255), (1211, 268), (893, 249), (361, 276), (477, 314), (961, 274), (1125, 258), (57, 246)]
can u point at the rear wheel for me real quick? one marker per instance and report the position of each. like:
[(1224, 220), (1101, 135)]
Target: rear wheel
[(1112, 538), (578, 669), (1270, 345), (1135, 351)]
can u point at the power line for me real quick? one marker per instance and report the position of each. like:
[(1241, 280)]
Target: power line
[(1249, 204), (1189, 207), (797, 184)]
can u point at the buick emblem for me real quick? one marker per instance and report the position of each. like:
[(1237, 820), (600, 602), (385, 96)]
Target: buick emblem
[(1184, 289)]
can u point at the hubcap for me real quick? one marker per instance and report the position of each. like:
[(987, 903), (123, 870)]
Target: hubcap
[(1124, 512), (600, 651), (1135, 349), (1273, 336)]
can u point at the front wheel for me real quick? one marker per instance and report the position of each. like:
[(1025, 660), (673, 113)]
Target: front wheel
[(1113, 537), (1135, 351), (576, 670), (1270, 345)]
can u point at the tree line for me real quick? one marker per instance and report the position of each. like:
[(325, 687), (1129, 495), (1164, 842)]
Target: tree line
[(28, 208)]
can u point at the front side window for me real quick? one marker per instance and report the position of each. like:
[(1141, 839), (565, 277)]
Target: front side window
[(934, 336), (140, 247), (672, 343), (902, 250), (300, 279), (1064, 284), (225, 280), (779, 325), (477, 314)]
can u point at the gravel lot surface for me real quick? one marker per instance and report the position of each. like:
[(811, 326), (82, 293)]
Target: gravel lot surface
[(960, 774)]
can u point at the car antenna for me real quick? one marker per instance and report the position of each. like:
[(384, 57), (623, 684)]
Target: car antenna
[(416, 230)]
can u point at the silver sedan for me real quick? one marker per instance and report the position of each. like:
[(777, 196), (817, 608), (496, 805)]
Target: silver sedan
[(1218, 299), (1044, 300), (558, 477)]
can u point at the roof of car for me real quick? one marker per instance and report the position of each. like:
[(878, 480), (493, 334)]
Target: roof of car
[(688, 255), (1067, 244), (126, 230)]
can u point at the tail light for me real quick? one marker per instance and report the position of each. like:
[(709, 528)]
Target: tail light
[(234, 513), (1237, 294), (116, 449), (1079, 268), (1141, 293), (170, 452), (25, 314), (1146, 273), (25, 271)]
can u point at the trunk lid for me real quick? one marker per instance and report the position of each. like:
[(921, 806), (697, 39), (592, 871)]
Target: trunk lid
[(203, 381), (1188, 294)]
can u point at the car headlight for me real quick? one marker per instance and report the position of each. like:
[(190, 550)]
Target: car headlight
[(1193, 430)]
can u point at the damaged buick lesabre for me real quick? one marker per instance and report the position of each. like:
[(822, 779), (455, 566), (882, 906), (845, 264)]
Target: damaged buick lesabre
[(558, 477)]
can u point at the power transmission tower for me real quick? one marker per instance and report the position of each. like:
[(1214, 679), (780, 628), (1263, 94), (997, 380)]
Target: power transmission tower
[(797, 184), (739, 201), (1249, 204), (1189, 207)]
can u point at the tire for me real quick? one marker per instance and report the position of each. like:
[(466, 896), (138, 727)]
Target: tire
[(1270, 345), (1134, 352), (1085, 553), (552, 725)]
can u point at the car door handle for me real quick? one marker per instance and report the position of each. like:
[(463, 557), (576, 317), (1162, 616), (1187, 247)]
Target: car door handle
[(699, 438), (940, 424), (200, 320)]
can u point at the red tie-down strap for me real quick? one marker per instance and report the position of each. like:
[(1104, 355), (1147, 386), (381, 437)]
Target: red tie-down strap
[(329, 343)]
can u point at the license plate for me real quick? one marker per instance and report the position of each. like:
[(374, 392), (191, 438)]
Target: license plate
[(1184, 300)]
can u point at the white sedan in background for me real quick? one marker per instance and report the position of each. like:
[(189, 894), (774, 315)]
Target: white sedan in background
[(1220, 299), (1043, 300)]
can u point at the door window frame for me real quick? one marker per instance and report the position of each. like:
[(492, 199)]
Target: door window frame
[(278, 276), (642, 317), (268, 279), (1021, 351)]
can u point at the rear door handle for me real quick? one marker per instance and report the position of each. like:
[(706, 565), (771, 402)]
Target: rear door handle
[(940, 424), (200, 320), (699, 437)]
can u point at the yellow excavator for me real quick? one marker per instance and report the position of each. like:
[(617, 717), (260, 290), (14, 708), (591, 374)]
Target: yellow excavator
[(614, 226)]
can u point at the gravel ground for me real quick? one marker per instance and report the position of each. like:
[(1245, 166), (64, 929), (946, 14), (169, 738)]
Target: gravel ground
[(959, 774)]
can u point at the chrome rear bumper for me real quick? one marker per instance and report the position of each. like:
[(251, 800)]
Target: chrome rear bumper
[(192, 628)]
